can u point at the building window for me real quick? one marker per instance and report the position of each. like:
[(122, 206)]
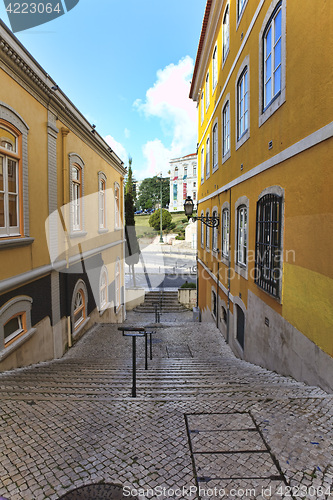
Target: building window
[(202, 231), (214, 68), (10, 198), (214, 234), (207, 91), (79, 306), (15, 321), (194, 171), (207, 159), (76, 197), (101, 200), (117, 205), (240, 5), (214, 303), (225, 232), (215, 148), (202, 165), (207, 231), (103, 288), (226, 33), (268, 244), (202, 101), (226, 129), (272, 57), (194, 196), (242, 100), (242, 235), (117, 284)]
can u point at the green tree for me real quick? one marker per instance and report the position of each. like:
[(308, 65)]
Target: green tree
[(150, 192), (154, 219), (132, 249)]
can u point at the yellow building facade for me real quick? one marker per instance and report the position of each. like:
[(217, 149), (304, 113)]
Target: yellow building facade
[(263, 86), (61, 216)]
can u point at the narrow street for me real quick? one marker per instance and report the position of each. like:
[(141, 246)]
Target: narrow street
[(203, 425)]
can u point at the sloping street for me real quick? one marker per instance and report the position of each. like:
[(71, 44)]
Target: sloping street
[(203, 424)]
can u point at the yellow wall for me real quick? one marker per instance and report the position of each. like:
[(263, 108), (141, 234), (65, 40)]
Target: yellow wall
[(306, 178)]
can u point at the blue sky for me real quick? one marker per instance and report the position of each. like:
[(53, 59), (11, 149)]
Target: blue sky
[(127, 66)]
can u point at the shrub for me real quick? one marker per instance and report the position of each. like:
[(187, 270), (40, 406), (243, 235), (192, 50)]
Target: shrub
[(180, 237), (188, 285), (154, 219)]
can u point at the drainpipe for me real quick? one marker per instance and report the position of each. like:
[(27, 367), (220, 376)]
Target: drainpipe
[(65, 201), (229, 267)]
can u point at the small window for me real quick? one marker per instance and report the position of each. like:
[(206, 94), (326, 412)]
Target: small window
[(214, 68), (242, 235), (214, 233), (117, 205), (226, 33), (207, 231), (215, 147), (102, 200), (240, 5), (242, 100), (207, 159), (194, 171), (14, 327), (202, 167), (225, 232), (207, 91), (103, 288), (79, 309), (226, 129)]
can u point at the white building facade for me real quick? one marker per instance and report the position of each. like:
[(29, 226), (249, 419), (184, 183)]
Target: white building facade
[(183, 181)]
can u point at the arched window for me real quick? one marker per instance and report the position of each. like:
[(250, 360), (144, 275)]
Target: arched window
[(103, 288), (76, 197), (268, 244), (15, 321), (226, 33), (79, 306), (101, 201), (242, 235)]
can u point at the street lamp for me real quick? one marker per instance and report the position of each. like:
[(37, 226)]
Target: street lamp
[(161, 237), (209, 221)]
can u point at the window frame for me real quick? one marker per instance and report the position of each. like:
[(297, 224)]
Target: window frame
[(202, 230), (242, 235), (104, 289), (77, 326), (240, 10), (243, 70), (265, 112), (202, 106), (226, 127), (215, 152), (75, 161), (117, 210), (214, 69), (102, 207), (241, 267), (207, 231), (226, 29), (17, 306), (215, 247), (10, 120), (207, 157), (117, 298), (207, 101), (273, 195), (203, 165), (225, 230)]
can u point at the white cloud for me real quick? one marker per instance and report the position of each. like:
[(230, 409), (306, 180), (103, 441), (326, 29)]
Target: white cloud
[(169, 101), (127, 133), (117, 148)]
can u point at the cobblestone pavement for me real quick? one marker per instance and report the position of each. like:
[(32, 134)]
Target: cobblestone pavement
[(204, 423)]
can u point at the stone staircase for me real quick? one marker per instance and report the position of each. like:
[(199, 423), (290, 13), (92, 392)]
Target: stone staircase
[(167, 302)]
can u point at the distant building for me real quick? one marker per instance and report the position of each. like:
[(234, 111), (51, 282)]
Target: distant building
[(183, 181)]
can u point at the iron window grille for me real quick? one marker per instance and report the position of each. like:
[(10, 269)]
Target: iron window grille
[(268, 244)]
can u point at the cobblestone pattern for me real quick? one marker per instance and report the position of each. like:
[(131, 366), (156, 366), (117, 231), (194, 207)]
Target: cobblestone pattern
[(72, 422)]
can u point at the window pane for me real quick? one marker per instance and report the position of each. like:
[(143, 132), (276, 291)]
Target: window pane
[(13, 325), (12, 177), (245, 83), (268, 68), (277, 54), (268, 92), (75, 174), (2, 211), (269, 42), (1, 173), (8, 140), (277, 26), (277, 80), (12, 208)]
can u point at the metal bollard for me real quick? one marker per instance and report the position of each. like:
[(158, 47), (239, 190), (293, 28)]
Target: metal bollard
[(131, 333)]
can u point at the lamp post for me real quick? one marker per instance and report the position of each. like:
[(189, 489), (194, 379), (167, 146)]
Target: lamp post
[(161, 219)]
